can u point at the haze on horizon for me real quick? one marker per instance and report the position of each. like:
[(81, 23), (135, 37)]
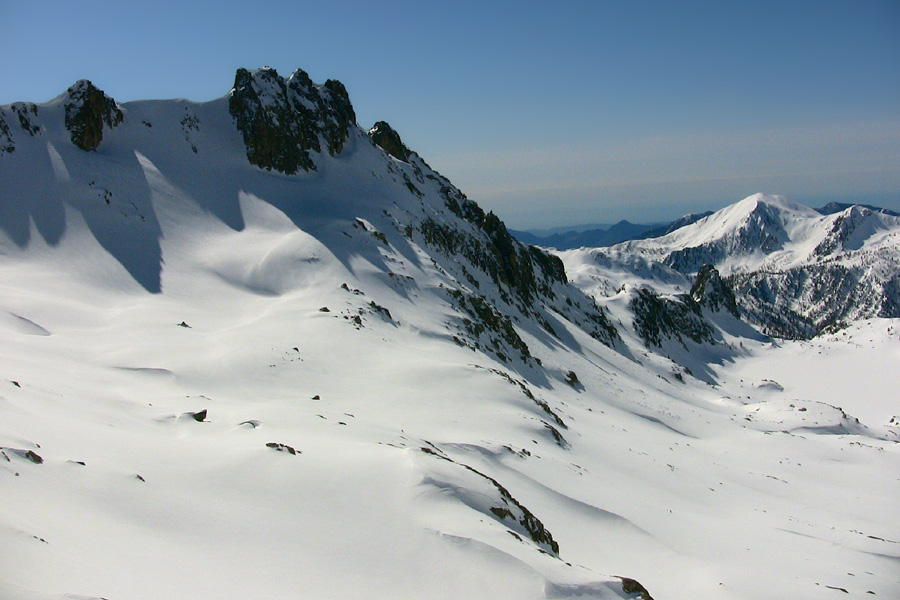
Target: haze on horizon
[(548, 115)]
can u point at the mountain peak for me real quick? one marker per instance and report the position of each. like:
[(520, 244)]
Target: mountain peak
[(761, 201), (836, 207)]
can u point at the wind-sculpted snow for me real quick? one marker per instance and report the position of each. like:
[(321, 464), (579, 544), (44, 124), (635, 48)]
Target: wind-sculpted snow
[(220, 379)]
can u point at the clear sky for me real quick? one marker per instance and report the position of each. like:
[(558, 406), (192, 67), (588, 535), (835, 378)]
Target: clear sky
[(548, 113)]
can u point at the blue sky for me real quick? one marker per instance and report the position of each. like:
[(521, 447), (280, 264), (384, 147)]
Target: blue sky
[(546, 113)]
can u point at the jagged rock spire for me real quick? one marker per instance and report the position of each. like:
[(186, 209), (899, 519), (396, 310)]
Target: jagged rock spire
[(710, 291), (389, 140), (283, 121), (88, 110)]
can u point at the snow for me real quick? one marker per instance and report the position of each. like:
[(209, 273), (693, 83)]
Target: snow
[(855, 369), (731, 235), (201, 286)]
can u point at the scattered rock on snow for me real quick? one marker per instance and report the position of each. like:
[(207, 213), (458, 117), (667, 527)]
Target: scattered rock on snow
[(630, 586), (768, 384), (198, 416), (282, 448), (29, 455)]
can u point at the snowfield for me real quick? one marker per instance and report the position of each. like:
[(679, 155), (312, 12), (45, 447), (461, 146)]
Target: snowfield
[(218, 381)]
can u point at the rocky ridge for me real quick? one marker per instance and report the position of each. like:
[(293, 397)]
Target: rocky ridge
[(792, 271)]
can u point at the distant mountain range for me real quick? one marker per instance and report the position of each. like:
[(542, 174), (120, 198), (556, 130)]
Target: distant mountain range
[(600, 235), (794, 271), (591, 238)]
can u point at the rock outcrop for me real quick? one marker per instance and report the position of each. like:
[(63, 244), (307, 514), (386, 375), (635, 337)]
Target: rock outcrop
[(710, 291), (88, 111), (389, 140), (678, 318), (284, 121)]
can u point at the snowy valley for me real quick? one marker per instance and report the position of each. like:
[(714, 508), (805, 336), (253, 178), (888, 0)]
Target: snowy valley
[(251, 349)]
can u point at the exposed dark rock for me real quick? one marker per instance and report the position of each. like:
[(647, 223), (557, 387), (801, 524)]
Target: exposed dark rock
[(282, 448), (29, 455), (762, 231), (836, 588), (389, 140), (840, 237), (511, 510), (488, 328), (25, 111), (676, 318), (557, 436), (524, 277), (268, 122), (630, 586), (198, 416), (282, 121), (337, 114), (377, 308), (7, 145), (524, 517), (88, 111), (711, 291), (799, 303), (508, 262)]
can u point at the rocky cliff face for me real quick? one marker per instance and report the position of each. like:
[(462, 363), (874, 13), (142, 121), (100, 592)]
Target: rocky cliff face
[(802, 302), (710, 291), (389, 140), (791, 271), (760, 231), (88, 112), (678, 318), (283, 121), (501, 281)]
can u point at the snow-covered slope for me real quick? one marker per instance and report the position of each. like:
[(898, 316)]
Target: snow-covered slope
[(794, 271), (764, 232), (252, 350)]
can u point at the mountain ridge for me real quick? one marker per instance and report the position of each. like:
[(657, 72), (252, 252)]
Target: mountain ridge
[(350, 380), (795, 272)]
